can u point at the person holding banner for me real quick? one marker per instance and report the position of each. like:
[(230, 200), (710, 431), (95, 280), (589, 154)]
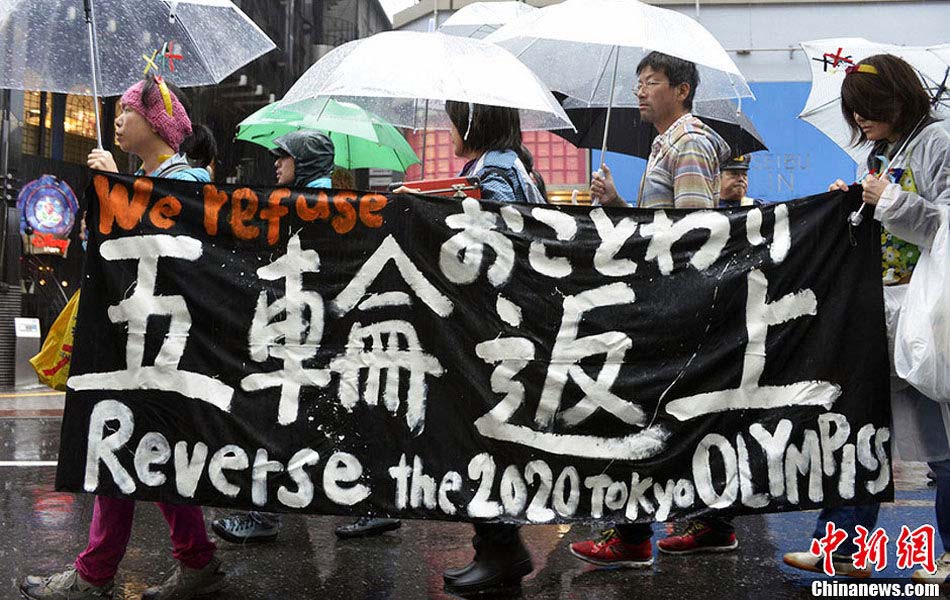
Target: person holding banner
[(154, 125), (683, 168), (683, 172), (302, 159), (490, 138), (906, 177)]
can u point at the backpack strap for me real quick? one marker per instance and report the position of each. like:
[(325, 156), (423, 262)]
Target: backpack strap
[(503, 173)]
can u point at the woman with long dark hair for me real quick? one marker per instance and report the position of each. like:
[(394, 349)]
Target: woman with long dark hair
[(906, 177), (154, 126)]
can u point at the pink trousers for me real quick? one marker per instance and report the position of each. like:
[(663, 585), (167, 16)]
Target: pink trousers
[(111, 528)]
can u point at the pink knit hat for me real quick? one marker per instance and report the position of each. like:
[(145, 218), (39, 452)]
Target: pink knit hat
[(166, 114)]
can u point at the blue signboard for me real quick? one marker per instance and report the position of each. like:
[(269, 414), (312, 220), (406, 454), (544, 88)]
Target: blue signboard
[(48, 210), (800, 160)]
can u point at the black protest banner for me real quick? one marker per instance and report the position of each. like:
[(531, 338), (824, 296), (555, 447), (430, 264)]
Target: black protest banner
[(343, 353)]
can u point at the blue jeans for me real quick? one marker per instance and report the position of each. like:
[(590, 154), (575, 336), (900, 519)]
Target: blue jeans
[(848, 517)]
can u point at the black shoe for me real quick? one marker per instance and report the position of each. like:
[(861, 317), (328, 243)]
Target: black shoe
[(496, 569), (450, 575), (367, 526), (244, 528)]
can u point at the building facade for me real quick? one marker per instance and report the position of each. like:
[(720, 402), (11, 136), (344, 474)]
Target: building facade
[(53, 133)]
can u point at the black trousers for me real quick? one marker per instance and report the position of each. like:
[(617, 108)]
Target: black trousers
[(496, 534)]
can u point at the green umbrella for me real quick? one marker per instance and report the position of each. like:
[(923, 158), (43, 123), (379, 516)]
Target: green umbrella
[(361, 139)]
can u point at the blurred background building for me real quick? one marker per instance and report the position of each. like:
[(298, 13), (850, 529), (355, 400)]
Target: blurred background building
[(53, 134)]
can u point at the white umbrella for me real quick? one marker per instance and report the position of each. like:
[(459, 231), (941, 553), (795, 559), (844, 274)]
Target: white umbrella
[(479, 19), (394, 73), (101, 47), (589, 50), (829, 60)]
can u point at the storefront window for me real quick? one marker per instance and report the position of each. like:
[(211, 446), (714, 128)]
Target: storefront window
[(78, 126), (32, 109)]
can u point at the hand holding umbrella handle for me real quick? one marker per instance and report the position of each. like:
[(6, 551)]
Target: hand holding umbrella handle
[(603, 190), (855, 218)]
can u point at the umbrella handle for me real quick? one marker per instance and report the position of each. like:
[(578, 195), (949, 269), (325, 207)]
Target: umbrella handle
[(856, 218), (94, 63), (425, 139)]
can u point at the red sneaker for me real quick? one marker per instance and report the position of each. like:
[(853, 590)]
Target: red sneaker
[(611, 551), (698, 537)]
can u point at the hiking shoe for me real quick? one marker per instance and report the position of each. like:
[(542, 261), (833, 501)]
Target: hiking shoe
[(243, 528), (185, 583), (941, 575), (68, 585), (698, 537), (367, 526), (843, 565), (610, 551)]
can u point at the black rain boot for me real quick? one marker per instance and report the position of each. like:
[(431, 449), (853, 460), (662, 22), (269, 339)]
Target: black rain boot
[(453, 573), (496, 568)]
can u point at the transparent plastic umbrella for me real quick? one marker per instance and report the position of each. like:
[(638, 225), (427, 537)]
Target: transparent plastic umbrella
[(829, 60), (479, 19), (46, 44), (573, 47), (398, 74), (590, 49), (360, 139)]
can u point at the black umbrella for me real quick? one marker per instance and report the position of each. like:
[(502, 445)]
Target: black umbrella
[(629, 135)]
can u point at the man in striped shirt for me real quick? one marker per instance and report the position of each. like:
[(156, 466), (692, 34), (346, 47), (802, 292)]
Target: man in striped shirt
[(683, 168), (682, 172)]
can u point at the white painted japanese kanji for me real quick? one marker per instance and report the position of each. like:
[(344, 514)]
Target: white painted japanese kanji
[(663, 233), (293, 339), (512, 354), (760, 315), (135, 311)]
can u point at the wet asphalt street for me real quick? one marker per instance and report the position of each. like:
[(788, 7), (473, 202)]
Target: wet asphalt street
[(41, 531)]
